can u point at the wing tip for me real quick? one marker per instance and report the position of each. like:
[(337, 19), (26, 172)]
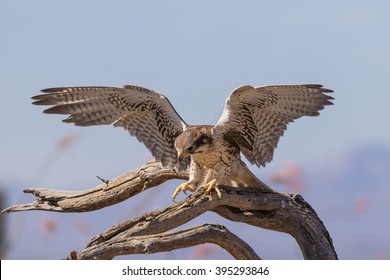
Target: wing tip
[(55, 110), (43, 99), (318, 86), (53, 90), (42, 102)]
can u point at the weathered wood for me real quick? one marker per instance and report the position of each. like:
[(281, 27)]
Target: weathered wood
[(106, 194), (273, 211), (168, 241)]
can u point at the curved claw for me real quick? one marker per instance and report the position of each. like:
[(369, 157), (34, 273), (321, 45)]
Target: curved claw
[(212, 185), (183, 187)]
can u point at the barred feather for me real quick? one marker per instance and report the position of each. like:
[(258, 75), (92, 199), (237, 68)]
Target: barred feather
[(255, 118), (146, 114)]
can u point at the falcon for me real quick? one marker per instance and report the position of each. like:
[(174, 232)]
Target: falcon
[(252, 121)]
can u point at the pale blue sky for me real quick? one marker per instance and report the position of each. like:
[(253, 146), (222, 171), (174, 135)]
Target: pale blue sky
[(190, 51)]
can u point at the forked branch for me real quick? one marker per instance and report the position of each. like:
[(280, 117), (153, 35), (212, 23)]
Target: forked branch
[(152, 232)]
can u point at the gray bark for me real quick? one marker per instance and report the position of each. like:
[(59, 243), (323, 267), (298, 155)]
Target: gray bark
[(154, 232)]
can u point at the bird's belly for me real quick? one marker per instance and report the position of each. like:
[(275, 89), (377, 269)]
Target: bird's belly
[(210, 160), (215, 160)]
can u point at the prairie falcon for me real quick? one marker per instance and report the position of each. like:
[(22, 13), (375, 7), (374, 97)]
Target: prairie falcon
[(251, 123)]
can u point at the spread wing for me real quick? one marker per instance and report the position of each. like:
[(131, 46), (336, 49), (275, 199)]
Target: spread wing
[(146, 114), (255, 118)]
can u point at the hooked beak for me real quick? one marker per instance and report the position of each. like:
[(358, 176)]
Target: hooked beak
[(181, 155)]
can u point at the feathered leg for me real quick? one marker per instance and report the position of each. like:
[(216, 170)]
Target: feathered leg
[(192, 183)]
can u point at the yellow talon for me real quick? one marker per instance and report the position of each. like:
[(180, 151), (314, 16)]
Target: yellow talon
[(212, 185), (183, 187)]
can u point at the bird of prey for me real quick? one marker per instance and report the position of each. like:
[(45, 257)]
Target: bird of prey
[(252, 121)]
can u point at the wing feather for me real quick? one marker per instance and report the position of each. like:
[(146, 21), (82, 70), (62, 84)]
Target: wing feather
[(147, 115), (255, 118)]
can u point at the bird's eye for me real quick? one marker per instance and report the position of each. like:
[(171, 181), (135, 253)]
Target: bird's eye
[(190, 149)]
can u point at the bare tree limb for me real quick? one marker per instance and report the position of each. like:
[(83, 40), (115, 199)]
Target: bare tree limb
[(297, 218), (274, 211), (106, 194), (169, 241)]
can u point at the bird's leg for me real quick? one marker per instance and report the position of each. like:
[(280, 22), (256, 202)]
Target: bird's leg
[(212, 185), (196, 172), (187, 186)]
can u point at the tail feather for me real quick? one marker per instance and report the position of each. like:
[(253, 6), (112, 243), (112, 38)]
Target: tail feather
[(246, 179)]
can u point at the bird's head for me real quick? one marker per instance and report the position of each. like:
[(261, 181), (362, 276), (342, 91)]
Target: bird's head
[(191, 142)]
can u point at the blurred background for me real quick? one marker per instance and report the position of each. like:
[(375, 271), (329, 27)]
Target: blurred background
[(192, 52)]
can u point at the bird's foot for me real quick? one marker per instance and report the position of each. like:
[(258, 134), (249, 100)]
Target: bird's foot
[(182, 188), (212, 185)]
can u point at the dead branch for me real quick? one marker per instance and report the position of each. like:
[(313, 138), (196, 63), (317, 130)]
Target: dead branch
[(169, 241), (150, 232), (106, 194)]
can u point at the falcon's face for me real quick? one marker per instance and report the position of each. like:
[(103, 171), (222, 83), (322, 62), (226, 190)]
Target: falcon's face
[(192, 141)]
